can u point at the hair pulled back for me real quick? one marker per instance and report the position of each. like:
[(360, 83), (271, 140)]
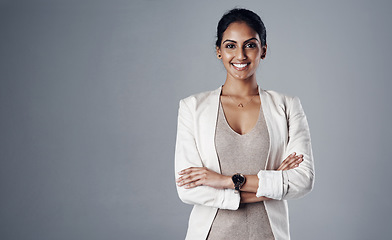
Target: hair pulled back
[(241, 15)]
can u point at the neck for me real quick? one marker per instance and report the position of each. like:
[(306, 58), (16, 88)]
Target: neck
[(237, 87)]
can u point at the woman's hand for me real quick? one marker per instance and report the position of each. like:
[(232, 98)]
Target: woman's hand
[(202, 176), (292, 161)]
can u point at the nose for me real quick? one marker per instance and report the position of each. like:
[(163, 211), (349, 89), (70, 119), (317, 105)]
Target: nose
[(241, 54)]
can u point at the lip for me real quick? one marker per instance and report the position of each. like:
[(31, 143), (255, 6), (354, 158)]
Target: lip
[(240, 66)]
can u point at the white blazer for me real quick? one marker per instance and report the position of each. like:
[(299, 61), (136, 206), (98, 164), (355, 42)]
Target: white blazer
[(195, 147)]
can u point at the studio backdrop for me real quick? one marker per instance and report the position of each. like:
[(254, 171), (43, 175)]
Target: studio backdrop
[(89, 94)]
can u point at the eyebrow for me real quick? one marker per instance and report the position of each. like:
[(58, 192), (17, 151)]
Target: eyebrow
[(228, 40)]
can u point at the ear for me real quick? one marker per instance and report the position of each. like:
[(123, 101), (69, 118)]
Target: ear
[(263, 51), (218, 53)]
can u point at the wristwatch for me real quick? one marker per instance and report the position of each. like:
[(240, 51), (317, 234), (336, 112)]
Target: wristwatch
[(238, 180)]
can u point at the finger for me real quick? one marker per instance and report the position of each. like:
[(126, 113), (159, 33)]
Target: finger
[(189, 179), (295, 163), (189, 172), (286, 161), (289, 158), (291, 163), (190, 169), (193, 184)]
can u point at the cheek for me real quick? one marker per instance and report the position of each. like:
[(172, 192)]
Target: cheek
[(226, 55), (228, 52), (226, 59), (256, 54)]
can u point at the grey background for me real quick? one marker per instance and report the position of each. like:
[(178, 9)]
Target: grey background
[(89, 94)]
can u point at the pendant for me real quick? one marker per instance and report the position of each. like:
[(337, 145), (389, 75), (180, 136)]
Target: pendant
[(240, 105)]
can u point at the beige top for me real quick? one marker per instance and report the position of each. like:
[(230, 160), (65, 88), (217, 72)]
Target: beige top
[(246, 154)]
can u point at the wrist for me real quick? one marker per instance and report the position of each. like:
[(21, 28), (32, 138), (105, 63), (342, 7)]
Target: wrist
[(229, 182)]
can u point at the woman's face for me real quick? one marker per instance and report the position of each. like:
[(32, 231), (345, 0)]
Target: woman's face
[(241, 51)]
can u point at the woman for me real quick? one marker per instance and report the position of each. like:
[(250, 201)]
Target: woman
[(241, 151)]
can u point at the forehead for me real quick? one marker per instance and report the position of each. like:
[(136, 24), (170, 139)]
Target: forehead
[(239, 31)]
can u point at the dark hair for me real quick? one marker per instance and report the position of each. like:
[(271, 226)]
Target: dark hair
[(241, 15)]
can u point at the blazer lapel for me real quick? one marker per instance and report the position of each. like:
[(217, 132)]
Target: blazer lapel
[(267, 117), (274, 125), (208, 117)]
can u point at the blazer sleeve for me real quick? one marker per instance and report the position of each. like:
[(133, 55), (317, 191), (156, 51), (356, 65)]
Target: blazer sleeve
[(187, 155), (297, 182)]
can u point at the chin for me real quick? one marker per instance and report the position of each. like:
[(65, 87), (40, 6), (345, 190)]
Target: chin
[(242, 77)]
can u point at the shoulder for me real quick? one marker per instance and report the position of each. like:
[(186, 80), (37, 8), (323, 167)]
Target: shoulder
[(278, 98), (282, 103), (200, 98)]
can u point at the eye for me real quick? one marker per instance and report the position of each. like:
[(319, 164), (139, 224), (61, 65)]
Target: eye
[(250, 45), (230, 46)]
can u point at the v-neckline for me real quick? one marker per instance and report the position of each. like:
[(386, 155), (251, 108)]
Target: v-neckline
[(228, 125)]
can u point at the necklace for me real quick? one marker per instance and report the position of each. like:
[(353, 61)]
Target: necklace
[(240, 105)]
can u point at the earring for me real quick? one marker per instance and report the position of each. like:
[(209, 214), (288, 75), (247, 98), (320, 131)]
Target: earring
[(219, 56)]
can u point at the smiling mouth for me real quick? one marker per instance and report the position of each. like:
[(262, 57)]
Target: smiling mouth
[(240, 66)]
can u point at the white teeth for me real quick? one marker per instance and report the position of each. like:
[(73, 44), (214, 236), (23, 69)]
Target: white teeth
[(239, 65)]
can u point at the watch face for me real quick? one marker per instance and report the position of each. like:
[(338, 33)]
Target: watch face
[(238, 178)]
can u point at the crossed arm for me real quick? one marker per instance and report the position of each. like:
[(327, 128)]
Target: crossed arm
[(198, 185), (200, 176)]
